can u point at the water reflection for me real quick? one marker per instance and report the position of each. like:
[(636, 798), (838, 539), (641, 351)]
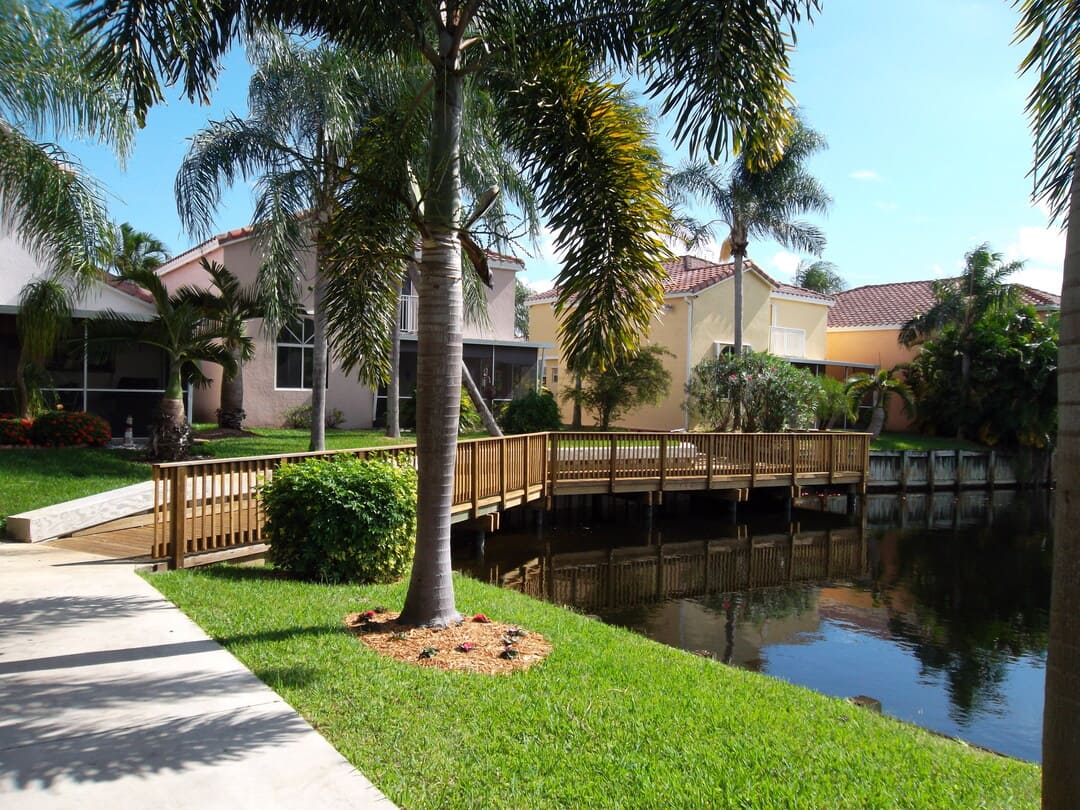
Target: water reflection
[(934, 604)]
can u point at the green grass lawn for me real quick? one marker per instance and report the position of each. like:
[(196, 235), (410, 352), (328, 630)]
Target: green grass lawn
[(271, 441), (33, 477), (917, 441), (610, 719)]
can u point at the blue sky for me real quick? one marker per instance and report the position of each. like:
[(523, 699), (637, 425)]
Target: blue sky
[(921, 105)]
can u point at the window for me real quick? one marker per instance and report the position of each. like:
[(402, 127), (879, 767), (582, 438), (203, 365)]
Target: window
[(295, 350)]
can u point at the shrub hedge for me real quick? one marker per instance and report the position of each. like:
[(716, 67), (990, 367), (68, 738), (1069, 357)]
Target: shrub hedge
[(342, 519), (533, 412), (55, 429)]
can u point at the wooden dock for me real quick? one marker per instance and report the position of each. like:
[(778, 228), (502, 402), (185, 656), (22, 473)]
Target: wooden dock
[(206, 511)]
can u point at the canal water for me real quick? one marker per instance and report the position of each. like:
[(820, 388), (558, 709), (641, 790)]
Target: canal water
[(934, 605)]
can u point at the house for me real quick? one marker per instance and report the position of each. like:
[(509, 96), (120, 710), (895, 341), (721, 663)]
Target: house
[(114, 385), (865, 323), (279, 376), (696, 323)]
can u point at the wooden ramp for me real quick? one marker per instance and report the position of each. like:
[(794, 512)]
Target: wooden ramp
[(205, 511)]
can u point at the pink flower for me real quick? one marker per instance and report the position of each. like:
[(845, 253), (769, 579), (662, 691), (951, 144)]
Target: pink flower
[(466, 646)]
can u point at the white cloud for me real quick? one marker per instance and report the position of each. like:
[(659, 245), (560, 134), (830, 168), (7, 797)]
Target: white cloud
[(783, 265), (1043, 252), (866, 175)]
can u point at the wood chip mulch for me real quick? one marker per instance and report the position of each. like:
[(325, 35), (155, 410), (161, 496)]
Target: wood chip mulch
[(489, 648)]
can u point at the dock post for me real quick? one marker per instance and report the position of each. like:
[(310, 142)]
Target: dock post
[(851, 496)]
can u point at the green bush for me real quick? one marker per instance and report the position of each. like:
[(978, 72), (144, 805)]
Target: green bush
[(752, 392), (14, 430), (69, 428), (342, 519), (299, 418), (534, 412)]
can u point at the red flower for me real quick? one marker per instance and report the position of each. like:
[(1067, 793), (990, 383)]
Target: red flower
[(481, 618)]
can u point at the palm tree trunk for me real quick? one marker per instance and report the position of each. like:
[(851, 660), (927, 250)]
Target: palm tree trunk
[(393, 385), (231, 411), (170, 433), (877, 421), (318, 362), (1061, 716), (490, 425), (738, 279), (430, 598)]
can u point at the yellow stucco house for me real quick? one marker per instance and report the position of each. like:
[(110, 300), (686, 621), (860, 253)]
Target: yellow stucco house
[(865, 323), (696, 322)]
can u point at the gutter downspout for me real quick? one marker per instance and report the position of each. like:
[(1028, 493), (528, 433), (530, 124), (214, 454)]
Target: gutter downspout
[(689, 349)]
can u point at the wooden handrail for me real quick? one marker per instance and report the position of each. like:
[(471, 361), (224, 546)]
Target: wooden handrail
[(210, 505)]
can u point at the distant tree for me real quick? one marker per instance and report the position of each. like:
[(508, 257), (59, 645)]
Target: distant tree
[(521, 309), (819, 276), (184, 333), (1010, 395), (880, 386), (136, 249), (228, 308), (610, 393), (755, 202), (832, 403), (960, 303)]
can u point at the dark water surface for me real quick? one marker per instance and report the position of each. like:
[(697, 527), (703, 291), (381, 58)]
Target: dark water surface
[(935, 605)]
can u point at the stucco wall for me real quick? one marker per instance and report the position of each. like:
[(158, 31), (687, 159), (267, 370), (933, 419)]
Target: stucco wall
[(877, 347), (811, 318), (265, 403)]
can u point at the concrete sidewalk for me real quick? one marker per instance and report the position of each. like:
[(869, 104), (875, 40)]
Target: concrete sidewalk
[(111, 698)]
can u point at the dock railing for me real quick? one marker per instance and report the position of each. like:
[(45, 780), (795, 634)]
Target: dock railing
[(208, 510)]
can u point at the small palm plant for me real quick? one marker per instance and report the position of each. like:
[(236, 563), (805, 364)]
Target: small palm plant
[(229, 308), (182, 330), (880, 386)]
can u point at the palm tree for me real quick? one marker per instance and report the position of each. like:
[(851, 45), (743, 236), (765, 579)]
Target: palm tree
[(755, 202), (962, 302), (880, 386), (820, 276), (43, 318), (1054, 27), (55, 211), (136, 249), (186, 336), (228, 308), (582, 142), (304, 106)]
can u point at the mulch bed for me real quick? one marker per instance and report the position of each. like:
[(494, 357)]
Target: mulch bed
[(487, 647)]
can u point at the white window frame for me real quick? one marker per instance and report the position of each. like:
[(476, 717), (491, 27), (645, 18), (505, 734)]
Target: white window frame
[(299, 343)]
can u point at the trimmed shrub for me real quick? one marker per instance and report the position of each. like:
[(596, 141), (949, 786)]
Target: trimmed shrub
[(342, 519), (68, 428), (534, 412), (14, 430), (299, 418)]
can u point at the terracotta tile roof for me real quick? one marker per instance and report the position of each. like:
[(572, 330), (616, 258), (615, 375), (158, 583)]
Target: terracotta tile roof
[(802, 292), (890, 305), (691, 274), (129, 288)]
